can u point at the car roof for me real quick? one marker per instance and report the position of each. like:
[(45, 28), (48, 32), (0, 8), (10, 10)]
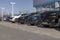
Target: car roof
[(47, 12)]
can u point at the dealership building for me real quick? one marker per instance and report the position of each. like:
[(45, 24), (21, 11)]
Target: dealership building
[(45, 5)]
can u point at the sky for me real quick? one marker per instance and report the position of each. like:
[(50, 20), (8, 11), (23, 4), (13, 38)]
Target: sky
[(19, 6)]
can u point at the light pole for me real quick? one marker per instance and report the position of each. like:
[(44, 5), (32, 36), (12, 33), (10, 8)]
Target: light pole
[(2, 13), (12, 3)]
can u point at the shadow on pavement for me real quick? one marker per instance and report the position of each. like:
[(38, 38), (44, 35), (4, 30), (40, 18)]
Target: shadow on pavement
[(56, 28)]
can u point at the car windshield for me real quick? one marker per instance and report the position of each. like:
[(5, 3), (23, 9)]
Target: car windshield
[(24, 14)]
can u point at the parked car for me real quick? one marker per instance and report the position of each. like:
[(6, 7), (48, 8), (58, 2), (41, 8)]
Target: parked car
[(22, 19), (7, 18), (32, 19), (0, 18), (49, 19)]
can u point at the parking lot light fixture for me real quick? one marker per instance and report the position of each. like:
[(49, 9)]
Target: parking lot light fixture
[(2, 13), (12, 3)]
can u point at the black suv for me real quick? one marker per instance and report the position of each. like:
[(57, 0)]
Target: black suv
[(49, 19)]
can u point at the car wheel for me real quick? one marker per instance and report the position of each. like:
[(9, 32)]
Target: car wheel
[(39, 24)]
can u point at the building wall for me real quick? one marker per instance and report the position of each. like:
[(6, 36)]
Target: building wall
[(44, 7), (35, 2)]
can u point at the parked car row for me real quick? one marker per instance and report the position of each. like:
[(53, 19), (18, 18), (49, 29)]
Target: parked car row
[(40, 19)]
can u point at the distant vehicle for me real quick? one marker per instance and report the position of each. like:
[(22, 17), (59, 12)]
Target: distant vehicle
[(49, 19), (7, 18), (0, 18)]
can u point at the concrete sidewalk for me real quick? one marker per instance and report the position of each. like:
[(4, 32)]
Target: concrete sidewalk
[(41, 31)]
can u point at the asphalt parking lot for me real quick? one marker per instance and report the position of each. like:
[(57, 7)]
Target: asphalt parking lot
[(52, 32)]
